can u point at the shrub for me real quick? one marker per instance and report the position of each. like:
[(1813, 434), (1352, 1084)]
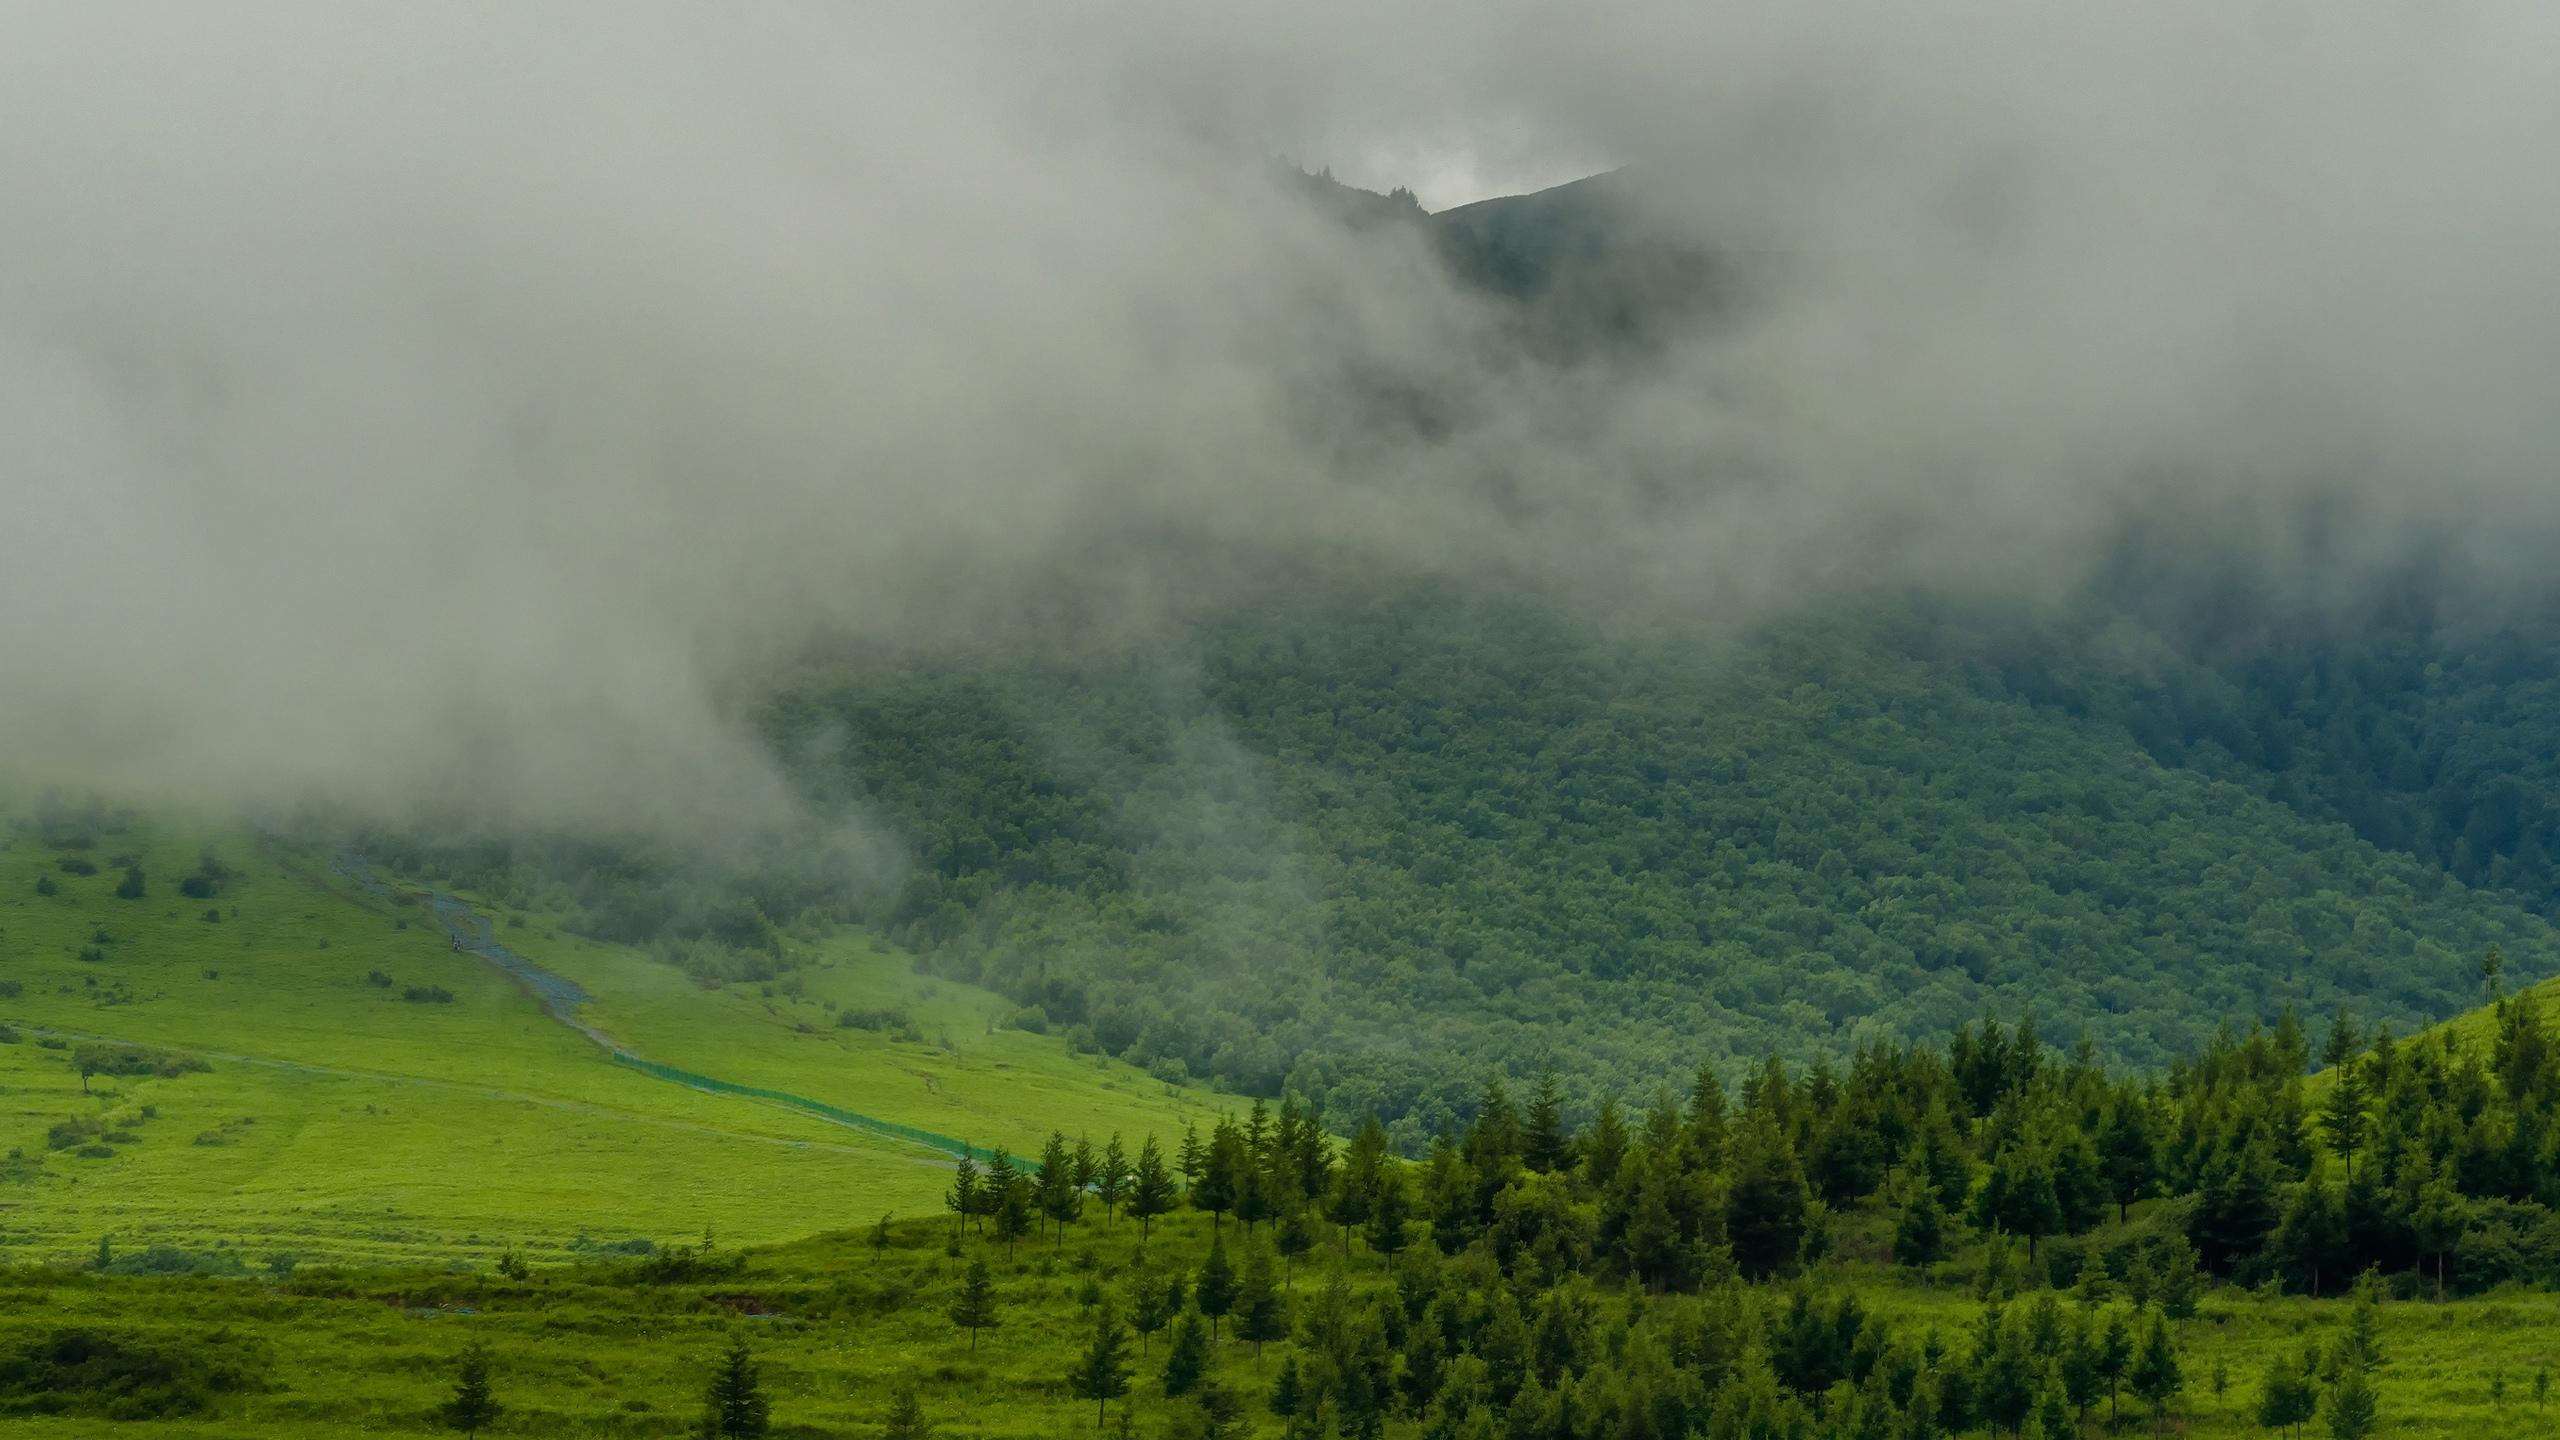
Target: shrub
[(1031, 1018), (198, 887), (380, 979), (213, 915), (75, 1370), (46, 888), (76, 865), (427, 995), (133, 885)]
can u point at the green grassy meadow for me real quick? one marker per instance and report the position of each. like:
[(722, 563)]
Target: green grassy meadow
[(337, 1121), (593, 1349)]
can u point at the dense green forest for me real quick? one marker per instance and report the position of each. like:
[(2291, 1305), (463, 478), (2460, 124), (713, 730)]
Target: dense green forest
[(1359, 847)]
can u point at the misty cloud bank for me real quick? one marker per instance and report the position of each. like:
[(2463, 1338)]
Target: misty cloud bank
[(404, 402)]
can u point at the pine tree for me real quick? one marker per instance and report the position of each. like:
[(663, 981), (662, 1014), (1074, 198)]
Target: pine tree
[(734, 1407), (1155, 1296), (1215, 1289), (2352, 1409), (1356, 1184), (1012, 1208), (1765, 1202), (1101, 1374), (905, 1420), (1604, 1146), (2343, 1120), (1706, 1119), (2115, 1355), (1061, 1199), (1151, 1191), (1545, 1145), (1111, 1177), (1293, 1237), (1289, 1390), (1186, 1360), (975, 1308), (472, 1406), (1388, 1210), (962, 1199), (1191, 1159), (2156, 1376), (1259, 1314), (1222, 1173), (1920, 1228)]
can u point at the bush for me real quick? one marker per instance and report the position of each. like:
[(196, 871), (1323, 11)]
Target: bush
[(213, 915), (427, 995), (1031, 1018), (133, 885), (92, 954), (73, 1370), (46, 888), (76, 865), (380, 979), (198, 887)]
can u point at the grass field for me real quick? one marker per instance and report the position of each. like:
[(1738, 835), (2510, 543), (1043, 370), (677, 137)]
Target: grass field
[(338, 1120), (836, 1325)]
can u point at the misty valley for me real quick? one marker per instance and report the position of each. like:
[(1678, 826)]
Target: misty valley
[(1718, 724)]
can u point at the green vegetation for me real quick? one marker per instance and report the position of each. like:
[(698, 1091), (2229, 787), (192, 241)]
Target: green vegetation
[(1719, 1267), (246, 1097)]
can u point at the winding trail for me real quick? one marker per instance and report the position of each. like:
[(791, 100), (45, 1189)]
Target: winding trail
[(565, 1001)]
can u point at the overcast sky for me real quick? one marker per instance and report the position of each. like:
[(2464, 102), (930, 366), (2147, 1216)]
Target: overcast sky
[(399, 401)]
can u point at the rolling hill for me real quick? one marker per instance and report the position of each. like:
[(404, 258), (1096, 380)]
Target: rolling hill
[(318, 1073)]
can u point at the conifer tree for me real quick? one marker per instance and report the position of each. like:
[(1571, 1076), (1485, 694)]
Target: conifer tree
[(1356, 1184), (1061, 1199), (734, 1406), (1920, 1228), (975, 1308), (905, 1420), (1101, 1374), (1260, 1316), (1293, 1237), (1545, 1145), (2353, 1412), (2155, 1375), (1191, 1159), (1389, 1208), (2115, 1357), (472, 1406), (962, 1198), (1186, 1360), (1151, 1190), (1604, 1146), (1012, 1209), (1222, 1173), (1111, 1177), (1155, 1296), (1214, 1291)]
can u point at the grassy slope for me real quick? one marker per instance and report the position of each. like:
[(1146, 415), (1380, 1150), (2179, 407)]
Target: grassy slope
[(578, 1355), (339, 1120)]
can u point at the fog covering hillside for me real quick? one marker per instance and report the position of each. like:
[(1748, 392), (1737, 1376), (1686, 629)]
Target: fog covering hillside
[(2051, 518)]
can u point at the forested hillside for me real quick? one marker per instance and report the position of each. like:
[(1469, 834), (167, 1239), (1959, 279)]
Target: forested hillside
[(1363, 834), (1369, 849)]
